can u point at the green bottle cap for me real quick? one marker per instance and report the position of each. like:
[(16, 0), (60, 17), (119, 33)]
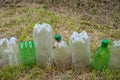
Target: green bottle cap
[(105, 42), (58, 37)]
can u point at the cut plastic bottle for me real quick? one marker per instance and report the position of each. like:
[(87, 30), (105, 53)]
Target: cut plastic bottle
[(101, 56), (80, 46), (115, 56), (61, 53), (9, 52), (42, 35), (28, 54)]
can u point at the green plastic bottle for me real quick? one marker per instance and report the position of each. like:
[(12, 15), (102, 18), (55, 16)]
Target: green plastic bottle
[(101, 56), (28, 55)]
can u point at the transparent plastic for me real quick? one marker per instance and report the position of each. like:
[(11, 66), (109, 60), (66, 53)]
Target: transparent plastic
[(42, 35), (62, 55), (115, 56), (80, 46), (9, 52)]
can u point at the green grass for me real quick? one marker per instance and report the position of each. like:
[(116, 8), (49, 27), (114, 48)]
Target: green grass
[(36, 73), (19, 22)]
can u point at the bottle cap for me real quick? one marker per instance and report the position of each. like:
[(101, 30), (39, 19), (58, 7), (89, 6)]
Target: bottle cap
[(57, 37), (105, 42)]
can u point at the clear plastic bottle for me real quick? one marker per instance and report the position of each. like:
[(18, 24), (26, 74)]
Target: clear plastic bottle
[(9, 52), (4, 58), (42, 35), (61, 53), (80, 46), (101, 56), (115, 56), (15, 52)]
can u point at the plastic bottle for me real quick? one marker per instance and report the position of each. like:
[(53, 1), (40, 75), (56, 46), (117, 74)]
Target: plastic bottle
[(61, 53), (80, 46), (28, 54), (101, 56), (9, 52), (115, 56), (15, 52), (42, 35)]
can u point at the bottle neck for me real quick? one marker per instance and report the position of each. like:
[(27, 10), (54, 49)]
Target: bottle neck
[(58, 40), (104, 45)]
